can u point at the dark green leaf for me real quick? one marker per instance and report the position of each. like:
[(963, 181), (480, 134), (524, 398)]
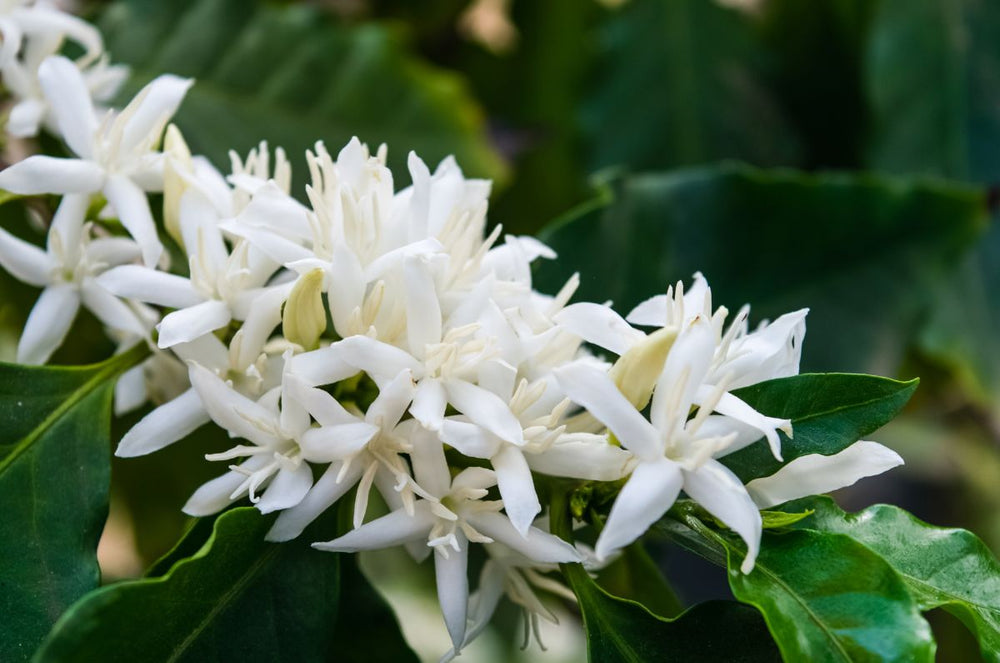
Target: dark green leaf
[(635, 576), (54, 475), (623, 630), (679, 82), (933, 73), (828, 598), (829, 412), (860, 251), (949, 568), (289, 75)]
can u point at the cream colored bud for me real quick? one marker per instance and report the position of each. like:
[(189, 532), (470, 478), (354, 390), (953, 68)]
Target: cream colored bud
[(635, 373), (176, 164), (304, 318)]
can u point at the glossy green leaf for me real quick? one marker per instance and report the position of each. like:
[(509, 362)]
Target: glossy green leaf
[(860, 251), (622, 630), (942, 567), (292, 76), (829, 412), (54, 474), (237, 598), (680, 82), (828, 598), (635, 576)]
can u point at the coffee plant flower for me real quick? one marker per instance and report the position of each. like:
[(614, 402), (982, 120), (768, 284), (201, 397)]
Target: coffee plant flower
[(383, 370)]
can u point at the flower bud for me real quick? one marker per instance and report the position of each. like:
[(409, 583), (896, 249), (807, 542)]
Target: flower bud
[(177, 161), (635, 373), (304, 318)]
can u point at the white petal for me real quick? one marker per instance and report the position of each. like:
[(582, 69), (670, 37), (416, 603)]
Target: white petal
[(25, 261), (264, 316), (423, 311), (771, 352), (172, 421), (392, 400), (348, 291), (279, 249), (599, 325), (393, 529), (42, 174), (429, 403), (381, 361), (482, 604), (537, 545), (484, 408), (593, 461), (132, 207), (815, 474), (731, 406), (338, 442), (25, 116), (650, 313), (323, 366), (69, 98), (684, 371), (39, 21), (469, 439), (193, 322), (67, 226), (151, 109), (150, 285), (452, 577), (594, 390), (645, 497), (324, 408), (233, 411), (286, 489), (111, 311), (723, 495), (214, 496), (130, 390), (48, 323), (429, 464), (517, 488), (323, 494)]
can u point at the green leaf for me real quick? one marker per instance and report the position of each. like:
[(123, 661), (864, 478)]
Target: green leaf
[(829, 412), (54, 475), (932, 68), (290, 75), (237, 598), (635, 576), (826, 597), (860, 251), (777, 519), (623, 630), (942, 567), (680, 82)]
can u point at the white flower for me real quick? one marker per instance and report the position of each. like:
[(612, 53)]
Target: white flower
[(457, 516), (116, 157), (673, 451), (66, 271), (29, 26)]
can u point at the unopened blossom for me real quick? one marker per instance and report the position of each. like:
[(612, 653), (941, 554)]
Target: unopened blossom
[(116, 156)]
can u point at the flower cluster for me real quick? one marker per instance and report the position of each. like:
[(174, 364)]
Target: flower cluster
[(371, 337)]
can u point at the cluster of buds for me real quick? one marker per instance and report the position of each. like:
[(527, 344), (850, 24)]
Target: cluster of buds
[(376, 337)]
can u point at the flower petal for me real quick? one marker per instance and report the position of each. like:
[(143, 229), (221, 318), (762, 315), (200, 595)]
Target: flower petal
[(452, 578), (723, 495), (600, 325), (429, 465), (132, 207), (172, 421), (188, 324), (69, 98), (214, 496), (392, 529), (594, 390), (485, 409), (537, 545), (25, 261), (48, 323), (337, 442), (593, 461), (150, 285), (814, 474), (645, 497), (286, 489), (517, 488), (429, 404), (148, 113), (233, 411), (41, 174), (323, 494), (423, 310)]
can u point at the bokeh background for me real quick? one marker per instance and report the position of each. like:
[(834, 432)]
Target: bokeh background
[(838, 154)]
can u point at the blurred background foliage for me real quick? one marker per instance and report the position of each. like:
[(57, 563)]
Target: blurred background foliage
[(837, 154)]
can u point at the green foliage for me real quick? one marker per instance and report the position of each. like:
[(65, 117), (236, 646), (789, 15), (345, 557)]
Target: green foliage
[(949, 568), (237, 597), (680, 82), (54, 472), (828, 598), (829, 412), (860, 251), (288, 75)]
